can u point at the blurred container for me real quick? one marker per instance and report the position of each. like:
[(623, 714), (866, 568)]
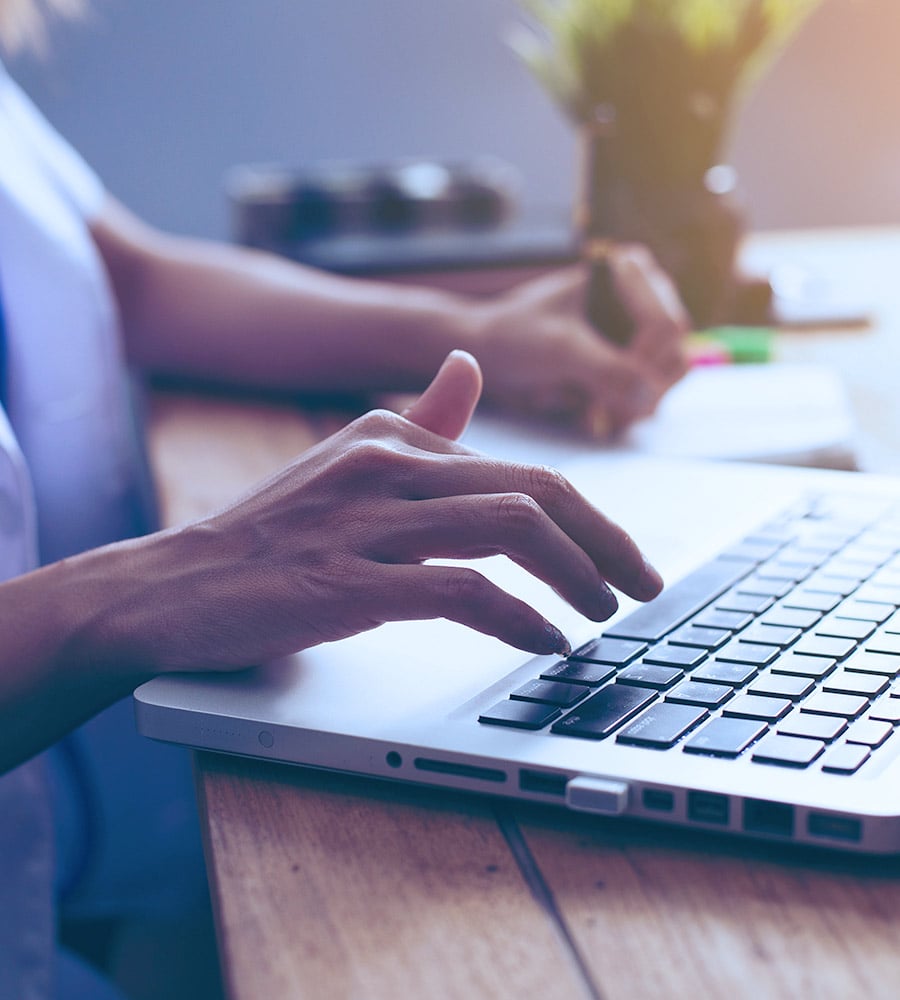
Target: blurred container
[(278, 208)]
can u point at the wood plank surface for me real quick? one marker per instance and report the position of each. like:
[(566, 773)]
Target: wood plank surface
[(339, 887), (661, 912)]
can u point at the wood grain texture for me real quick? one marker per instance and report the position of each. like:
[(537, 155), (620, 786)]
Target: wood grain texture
[(659, 912), (330, 886)]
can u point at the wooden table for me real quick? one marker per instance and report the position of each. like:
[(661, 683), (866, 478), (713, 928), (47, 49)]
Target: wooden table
[(331, 886)]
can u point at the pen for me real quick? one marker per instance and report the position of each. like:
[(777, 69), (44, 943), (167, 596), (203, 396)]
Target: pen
[(595, 216), (604, 308)]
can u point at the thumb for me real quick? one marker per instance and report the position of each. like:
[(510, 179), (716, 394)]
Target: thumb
[(448, 403)]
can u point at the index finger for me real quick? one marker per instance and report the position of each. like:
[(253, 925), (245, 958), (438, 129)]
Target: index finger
[(613, 551)]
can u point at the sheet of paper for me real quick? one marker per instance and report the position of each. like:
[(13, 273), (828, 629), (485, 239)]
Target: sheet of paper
[(784, 413)]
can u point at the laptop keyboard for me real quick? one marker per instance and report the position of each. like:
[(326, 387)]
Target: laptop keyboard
[(785, 650)]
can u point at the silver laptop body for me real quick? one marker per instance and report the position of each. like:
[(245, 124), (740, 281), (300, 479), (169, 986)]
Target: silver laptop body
[(404, 702)]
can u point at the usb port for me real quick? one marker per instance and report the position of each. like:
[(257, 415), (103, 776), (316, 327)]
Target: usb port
[(768, 817), (658, 799), (543, 782), (706, 807), (835, 827)]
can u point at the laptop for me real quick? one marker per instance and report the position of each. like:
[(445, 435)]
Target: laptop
[(758, 695)]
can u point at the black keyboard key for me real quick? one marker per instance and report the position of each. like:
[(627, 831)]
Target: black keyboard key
[(754, 549), (520, 715), (847, 682), (788, 751), (823, 645), (733, 674), (783, 529), (873, 663), (753, 653), (845, 628), (869, 732), (885, 643), (733, 621), (778, 570), (862, 568), (825, 583), (551, 693), (662, 725), (782, 686), (702, 638), (764, 588), (805, 558), (815, 727), (649, 676), (889, 595), (886, 710), (790, 618), (816, 667), (754, 706), (751, 604), (682, 600), (615, 652), (867, 611), (603, 713), (666, 655), (847, 706), (707, 695), (724, 737), (771, 635), (812, 600), (847, 758), (592, 674)]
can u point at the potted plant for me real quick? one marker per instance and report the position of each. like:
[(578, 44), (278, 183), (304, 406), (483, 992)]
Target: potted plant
[(651, 86)]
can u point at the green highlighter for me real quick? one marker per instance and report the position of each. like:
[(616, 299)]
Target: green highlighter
[(731, 345)]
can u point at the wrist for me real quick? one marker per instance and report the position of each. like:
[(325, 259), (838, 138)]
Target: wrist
[(97, 598), (419, 335)]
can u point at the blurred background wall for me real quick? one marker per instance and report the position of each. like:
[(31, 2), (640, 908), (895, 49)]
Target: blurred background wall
[(162, 96)]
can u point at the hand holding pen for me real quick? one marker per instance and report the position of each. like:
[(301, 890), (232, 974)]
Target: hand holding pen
[(542, 356), (604, 308), (633, 305)]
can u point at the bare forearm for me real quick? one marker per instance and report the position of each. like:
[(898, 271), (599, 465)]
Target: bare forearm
[(225, 313), (54, 670)]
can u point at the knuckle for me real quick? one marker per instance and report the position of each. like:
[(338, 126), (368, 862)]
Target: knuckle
[(365, 453), (463, 587), (550, 483), (379, 423), (640, 255), (371, 457), (517, 511)]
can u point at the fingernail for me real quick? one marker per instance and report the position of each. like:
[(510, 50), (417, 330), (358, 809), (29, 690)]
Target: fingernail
[(608, 603), (556, 641), (652, 581)]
